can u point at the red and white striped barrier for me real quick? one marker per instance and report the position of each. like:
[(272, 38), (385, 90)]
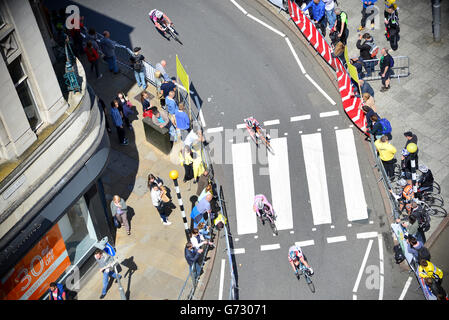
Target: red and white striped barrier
[(351, 104)]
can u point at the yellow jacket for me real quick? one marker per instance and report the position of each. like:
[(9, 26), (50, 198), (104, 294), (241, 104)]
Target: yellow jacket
[(386, 150), (428, 272)]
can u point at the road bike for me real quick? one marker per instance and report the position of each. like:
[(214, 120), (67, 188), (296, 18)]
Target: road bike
[(169, 28), (271, 218), (303, 270), (432, 210), (259, 135)]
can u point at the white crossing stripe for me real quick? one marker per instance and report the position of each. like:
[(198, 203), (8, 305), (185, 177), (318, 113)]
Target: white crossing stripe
[(305, 243), (316, 177), (367, 235), (238, 251), (244, 188), (329, 114), (280, 184), (356, 207), (300, 118), (212, 130), (270, 247), (271, 122), (336, 239)]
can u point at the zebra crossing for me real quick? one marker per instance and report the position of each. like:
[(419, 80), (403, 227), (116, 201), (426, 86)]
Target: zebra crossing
[(311, 147)]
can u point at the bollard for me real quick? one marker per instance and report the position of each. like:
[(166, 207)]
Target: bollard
[(412, 147), (174, 176), (436, 23)]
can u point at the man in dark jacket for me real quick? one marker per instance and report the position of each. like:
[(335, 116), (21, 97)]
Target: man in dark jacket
[(192, 256), (366, 46), (386, 70), (138, 67), (412, 138)]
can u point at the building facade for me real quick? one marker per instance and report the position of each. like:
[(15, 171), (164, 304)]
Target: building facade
[(53, 150)]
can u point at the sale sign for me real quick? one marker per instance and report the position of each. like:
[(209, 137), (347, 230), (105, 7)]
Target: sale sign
[(43, 264)]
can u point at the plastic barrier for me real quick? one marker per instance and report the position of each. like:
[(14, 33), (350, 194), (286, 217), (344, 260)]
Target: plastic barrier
[(351, 104)]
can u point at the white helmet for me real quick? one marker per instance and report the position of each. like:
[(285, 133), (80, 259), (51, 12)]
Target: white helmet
[(260, 204), (159, 14)]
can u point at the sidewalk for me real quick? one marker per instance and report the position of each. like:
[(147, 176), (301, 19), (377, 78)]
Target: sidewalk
[(419, 102), (152, 257)]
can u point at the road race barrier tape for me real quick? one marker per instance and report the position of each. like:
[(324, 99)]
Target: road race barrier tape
[(351, 103)]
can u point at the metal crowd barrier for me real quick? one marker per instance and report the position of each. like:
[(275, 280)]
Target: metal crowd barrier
[(401, 68)]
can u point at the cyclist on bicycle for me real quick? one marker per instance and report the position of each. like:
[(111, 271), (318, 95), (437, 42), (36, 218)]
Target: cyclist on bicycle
[(253, 126), (425, 181), (406, 197), (159, 19), (295, 257), (262, 207)]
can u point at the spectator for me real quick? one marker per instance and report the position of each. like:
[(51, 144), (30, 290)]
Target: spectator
[(56, 292), (367, 52), (159, 81), (427, 269), (412, 138), (378, 129), (413, 246), (139, 69), (145, 100), (171, 106), (357, 62), (436, 289), (186, 159), (194, 137), (368, 111), (386, 71), (156, 198), (425, 181), (386, 154), (341, 25), (108, 48), (406, 165), (168, 86), (192, 256), (204, 208), (367, 10), (203, 181), (220, 221), (366, 88), (392, 26), (153, 179), (330, 13), (182, 121), (105, 261), (118, 122), (125, 107), (160, 66), (205, 192), (204, 230), (418, 212), (92, 37), (198, 239), (368, 101), (317, 14), (411, 226), (103, 107), (119, 211), (92, 57), (339, 52), (160, 118)]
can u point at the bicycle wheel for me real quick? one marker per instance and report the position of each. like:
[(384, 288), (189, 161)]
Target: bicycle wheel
[(309, 282), (434, 199), (273, 227), (437, 211), (436, 187)]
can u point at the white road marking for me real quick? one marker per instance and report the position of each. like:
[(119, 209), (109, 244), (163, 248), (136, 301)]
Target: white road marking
[(295, 56), (365, 259), (316, 177), (203, 123), (266, 25), (336, 239), (244, 188), (329, 114), (238, 251), (280, 182), (367, 235), (270, 247), (404, 291), (320, 90), (271, 122), (305, 243), (300, 118), (212, 130), (356, 207), (241, 126), (239, 7), (381, 267), (220, 292)]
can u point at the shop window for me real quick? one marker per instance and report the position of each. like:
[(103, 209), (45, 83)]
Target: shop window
[(77, 231)]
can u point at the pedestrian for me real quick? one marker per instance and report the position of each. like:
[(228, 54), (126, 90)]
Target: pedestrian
[(125, 107), (412, 138), (357, 62), (341, 25), (56, 292), (92, 57), (368, 100), (108, 48), (158, 203), (386, 71), (118, 122), (103, 107), (160, 66), (386, 155), (204, 230), (436, 289), (198, 166), (392, 28), (137, 60), (330, 13), (366, 87), (203, 181), (411, 227), (205, 192), (171, 106), (204, 207), (427, 269), (145, 101), (413, 246), (168, 86), (92, 37), (198, 240), (368, 52), (317, 15), (186, 159), (406, 164), (368, 111), (105, 263), (161, 119), (381, 126), (182, 121), (192, 256), (119, 211), (367, 10), (166, 197)]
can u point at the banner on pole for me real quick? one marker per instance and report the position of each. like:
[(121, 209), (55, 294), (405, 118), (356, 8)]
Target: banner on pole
[(182, 75)]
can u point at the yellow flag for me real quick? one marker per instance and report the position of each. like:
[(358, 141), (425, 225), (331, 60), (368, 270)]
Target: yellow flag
[(182, 75), (351, 69)]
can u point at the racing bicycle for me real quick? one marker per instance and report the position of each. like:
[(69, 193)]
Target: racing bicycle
[(260, 135), (271, 218), (169, 28), (303, 270)]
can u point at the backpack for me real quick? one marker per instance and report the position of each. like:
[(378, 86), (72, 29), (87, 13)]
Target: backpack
[(423, 219), (385, 125), (391, 62), (398, 254), (423, 253), (374, 49)]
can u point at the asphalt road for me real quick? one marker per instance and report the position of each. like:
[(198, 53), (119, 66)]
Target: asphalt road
[(239, 67)]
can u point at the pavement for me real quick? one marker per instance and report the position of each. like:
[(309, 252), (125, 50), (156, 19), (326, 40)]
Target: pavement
[(419, 102), (152, 257)]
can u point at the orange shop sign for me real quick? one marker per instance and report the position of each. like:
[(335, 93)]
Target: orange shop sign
[(43, 264)]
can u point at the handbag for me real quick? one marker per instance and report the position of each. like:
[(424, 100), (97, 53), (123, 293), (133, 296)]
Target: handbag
[(117, 223)]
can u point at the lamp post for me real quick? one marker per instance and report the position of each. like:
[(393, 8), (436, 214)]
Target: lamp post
[(412, 148), (174, 176)]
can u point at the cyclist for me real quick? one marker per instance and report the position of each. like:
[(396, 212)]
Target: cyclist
[(262, 207), (159, 19), (253, 125), (425, 181), (295, 257), (406, 197)]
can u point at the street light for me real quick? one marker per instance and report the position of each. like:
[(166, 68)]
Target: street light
[(174, 176), (412, 148)]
